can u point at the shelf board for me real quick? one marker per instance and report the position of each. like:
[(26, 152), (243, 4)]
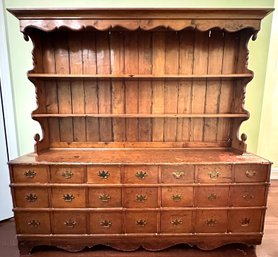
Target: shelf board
[(139, 115), (139, 76)]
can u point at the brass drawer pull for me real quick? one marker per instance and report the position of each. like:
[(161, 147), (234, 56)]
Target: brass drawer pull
[(34, 223), (141, 223), (30, 174), (104, 197), (67, 174), (212, 197), (103, 174), (31, 197), (250, 173), (68, 197), (245, 222), (70, 223), (176, 197), (211, 222), (141, 198), (248, 197), (214, 175), (141, 174), (178, 174), (106, 223), (176, 222)]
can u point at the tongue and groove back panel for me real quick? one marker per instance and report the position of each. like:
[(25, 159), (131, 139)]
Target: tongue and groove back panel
[(140, 89)]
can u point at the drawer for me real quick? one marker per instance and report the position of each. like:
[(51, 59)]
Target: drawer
[(176, 222), (106, 222), (29, 174), (69, 197), (67, 174), (177, 174), (69, 223), (248, 195), (141, 174), (251, 173), (211, 196), (245, 220), (105, 197), (214, 173), (177, 196), (138, 197), (32, 223), (141, 222), (31, 197), (104, 174), (210, 221)]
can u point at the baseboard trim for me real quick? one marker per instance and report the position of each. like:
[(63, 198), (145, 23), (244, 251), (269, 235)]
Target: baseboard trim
[(274, 173)]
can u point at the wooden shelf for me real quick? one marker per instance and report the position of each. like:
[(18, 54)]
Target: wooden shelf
[(139, 115), (139, 76)]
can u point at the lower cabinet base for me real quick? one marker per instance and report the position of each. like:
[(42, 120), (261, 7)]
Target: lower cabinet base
[(131, 243)]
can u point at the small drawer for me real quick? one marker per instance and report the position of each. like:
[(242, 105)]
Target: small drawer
[(69, 197), (138, 197), (251, 173), (177, 174), (214, 173), (69, 223), (67, 174), (177, 196), (245, 220), (104, 174), (141, 222), (248, 195), (211, 196), (211, 221), (106, 222), (176, 222), (29, 174), (32, 223), (31, 197), (141, 174), (105, 197)]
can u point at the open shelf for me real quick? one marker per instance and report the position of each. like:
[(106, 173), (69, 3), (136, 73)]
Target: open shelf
[(139, 76), (140, 115)]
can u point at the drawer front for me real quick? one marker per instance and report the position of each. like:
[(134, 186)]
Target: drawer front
[(69, 223), (32, 223), (176, 222), (214, 173), (141, 174), (245, 220), (31, 197), (141, 222), (105, 197), (138, 197), (211, 221), (177, 196), (211, 196), (68, 197), (251, 173), (29, 174), (248, 195), (104, 174), (106, 222), (177, 174), (67, 174)]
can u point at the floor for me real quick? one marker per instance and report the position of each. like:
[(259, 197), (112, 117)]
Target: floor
[(8, 243)]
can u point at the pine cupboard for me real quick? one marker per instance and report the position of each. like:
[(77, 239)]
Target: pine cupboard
[(140, 111)]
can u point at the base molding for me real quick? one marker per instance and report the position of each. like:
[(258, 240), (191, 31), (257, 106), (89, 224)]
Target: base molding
[(132, 243), (274, 173)]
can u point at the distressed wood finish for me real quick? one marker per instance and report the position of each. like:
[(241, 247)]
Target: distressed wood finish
[(140, 112)]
